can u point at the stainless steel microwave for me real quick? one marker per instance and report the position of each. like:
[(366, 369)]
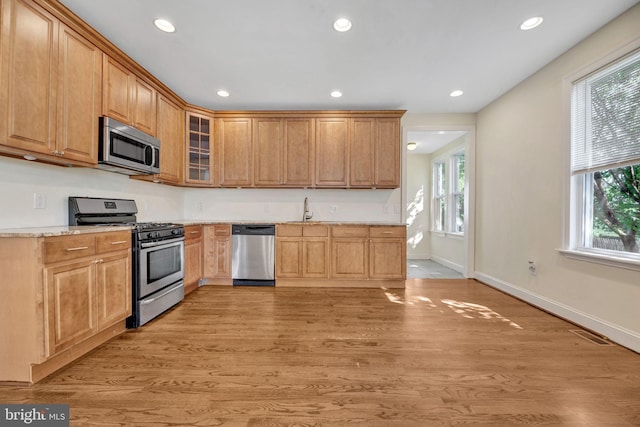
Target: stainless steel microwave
[(125, 149)]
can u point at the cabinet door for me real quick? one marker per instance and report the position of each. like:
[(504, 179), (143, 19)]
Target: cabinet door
[(217, 251), (349, 258), (171, 141), (79, 97), (113, 284), (199, 154), (298, 145), (267, 146), (361, 152), (387, 167), (315, 257), (29, 46), (144, 107), (192, 264), (288, 257), (71, 307), (117, 91), (332, 137), (387, 258), (234, 148)]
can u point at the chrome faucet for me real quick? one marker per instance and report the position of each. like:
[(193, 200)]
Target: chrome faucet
[(306, 215)]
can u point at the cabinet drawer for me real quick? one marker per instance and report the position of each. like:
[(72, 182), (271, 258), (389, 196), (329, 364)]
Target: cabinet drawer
[(387, 231), (349, 231), (289, 230), (315, 231), (64, 248), (192, 232), (222, 230), (110, 242)]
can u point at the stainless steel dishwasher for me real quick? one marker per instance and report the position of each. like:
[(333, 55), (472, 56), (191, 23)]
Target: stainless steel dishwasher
[(253, 258)]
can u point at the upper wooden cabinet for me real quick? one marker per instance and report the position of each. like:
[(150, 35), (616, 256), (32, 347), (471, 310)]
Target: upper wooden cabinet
[(234, 152), (51, 87), (128, 98), (374, 153), (171, 136), (199, 150), (283, 152), (332, 144)]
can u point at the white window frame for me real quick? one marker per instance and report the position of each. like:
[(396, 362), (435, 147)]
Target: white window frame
[(439, 198), (579, 187), (455, 192)]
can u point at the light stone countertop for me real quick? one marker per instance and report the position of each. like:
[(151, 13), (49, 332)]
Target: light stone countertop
[(60, 230), (294, 222), (72, 230)]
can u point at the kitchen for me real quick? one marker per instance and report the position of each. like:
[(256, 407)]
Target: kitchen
[(162, 203)]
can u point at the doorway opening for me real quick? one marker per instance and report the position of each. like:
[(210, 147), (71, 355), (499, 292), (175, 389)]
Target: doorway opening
[(439, 171)]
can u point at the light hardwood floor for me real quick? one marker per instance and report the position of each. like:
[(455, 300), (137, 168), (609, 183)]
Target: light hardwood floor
[(444, 352)]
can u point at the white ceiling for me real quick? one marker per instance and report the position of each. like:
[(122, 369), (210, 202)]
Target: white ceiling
[(402, 54), (431, 141)]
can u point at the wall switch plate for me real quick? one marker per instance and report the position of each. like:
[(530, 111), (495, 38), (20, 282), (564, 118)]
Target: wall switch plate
[(39, 201)]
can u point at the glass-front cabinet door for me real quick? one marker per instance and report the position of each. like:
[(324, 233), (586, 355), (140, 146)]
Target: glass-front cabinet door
[(199, 149)]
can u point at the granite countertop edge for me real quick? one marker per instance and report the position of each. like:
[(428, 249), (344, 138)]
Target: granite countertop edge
[(60, 230), (86, 229)]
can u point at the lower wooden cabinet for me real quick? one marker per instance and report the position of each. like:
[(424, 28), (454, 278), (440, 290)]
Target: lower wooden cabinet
[(192, 257), (340, 255), (62, 297), (302, 251), (217, 254)]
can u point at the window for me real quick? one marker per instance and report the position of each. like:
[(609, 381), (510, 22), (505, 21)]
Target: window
[(439, 197), (448, 195), (457, 193), (605, 161)]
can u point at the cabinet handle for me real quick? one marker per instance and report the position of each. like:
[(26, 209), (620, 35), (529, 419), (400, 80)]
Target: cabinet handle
[(387, 232), (193, 232), (79, 248), (98, 261), (119, 242)]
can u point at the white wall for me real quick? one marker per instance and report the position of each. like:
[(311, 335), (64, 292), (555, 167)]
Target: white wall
[(287, 204), (522, 142), (20, 179), (418, 189)]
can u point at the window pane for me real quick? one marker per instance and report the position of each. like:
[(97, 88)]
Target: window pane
[(458, 226), (615, 208)]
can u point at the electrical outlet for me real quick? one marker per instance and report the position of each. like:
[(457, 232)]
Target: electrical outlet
[(532, 268), (333, 209), (39, 201), (200, 206)]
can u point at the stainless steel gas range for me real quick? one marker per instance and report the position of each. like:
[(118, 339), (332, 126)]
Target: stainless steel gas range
[(157, 254)]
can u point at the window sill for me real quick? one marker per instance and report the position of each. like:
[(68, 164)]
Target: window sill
[(627, 263), (459, 236)]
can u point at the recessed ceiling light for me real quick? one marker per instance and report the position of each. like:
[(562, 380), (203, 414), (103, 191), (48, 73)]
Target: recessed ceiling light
[(456, 93), (164, 25), (223, 93), (336, 94), (412, 146), (342, 25), (531, 23)]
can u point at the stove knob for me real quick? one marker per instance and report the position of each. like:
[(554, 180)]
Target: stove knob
[(174, 232), (149, 235)]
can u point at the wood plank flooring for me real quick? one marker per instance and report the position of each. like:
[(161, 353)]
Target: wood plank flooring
[(448, 352)]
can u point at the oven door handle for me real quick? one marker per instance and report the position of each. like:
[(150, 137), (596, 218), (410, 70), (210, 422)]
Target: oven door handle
[(161, 243)]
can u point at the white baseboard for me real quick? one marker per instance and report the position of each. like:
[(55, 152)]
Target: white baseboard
[(417, 255), (457, 267), (615, 333)]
